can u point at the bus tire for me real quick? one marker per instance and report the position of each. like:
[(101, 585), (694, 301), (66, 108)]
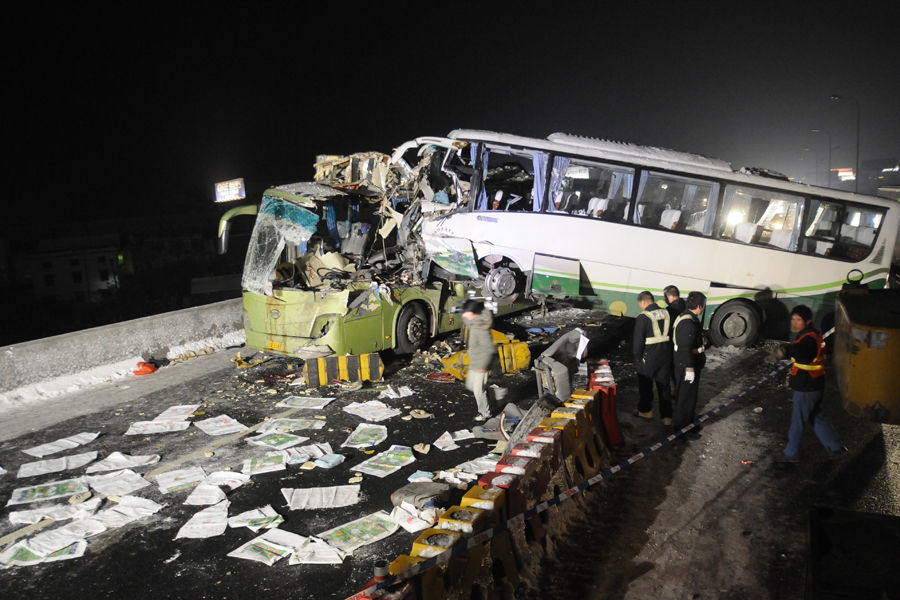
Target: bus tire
[(503, 283), (735, 323), (412, 328)]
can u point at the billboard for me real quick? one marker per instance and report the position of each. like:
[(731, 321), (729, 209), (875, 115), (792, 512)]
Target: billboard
[(233, 189)]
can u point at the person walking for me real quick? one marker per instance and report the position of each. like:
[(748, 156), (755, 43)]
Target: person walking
[(481, 351), (807, 379), (688, 361), (653, 358)]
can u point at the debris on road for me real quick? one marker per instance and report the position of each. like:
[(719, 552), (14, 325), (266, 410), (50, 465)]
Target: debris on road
[(360, 532), (48, 491), (321, 497), (117, 483), (256, 519), (180, 479), (366, 435), (270, 547), (221, 425), (371, 410), (305, 402), (67, 443), (116, 461), (208, 522), (54, 465), (387, 462)]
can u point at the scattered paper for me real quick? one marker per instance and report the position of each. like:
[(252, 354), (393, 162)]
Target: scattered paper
[(392, 394), (270, 547), (206, 523), (57, 512), (420, 476), (59, 445), (366, 435), (117, 461), (321, 497), (305, 402), (128, 509), (371, 410), (180, 479), (479, 466), (157, 426), (53, 465), (20, 554), (462, 434), (360, 532), (288, 425), (317, 552), (277, 440), (387, 462), (117, 483), (445, 442), (256, 519), (210, 491), (412, 519), (46, 542), (327, 461), (221, 425), (264, 464), (48, 491), (304, 453), (176, 413)]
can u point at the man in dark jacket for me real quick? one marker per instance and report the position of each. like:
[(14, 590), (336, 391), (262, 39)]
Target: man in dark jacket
[(481, 352), (688, 359), (807, 379), (674, 301), (653, 357)]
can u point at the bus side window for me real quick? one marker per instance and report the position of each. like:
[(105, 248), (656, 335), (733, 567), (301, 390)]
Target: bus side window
[(761, 217), (509, 180), (857, 233), (590, 190), (676, 203)]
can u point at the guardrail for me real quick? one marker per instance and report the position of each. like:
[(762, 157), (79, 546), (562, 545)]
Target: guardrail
[(31, 362)]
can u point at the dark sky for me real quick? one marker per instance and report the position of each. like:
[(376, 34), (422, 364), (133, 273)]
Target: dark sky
[(111, 111)]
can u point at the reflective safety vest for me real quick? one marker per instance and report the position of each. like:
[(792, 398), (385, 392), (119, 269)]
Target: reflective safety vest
[(659, 335), (817, 367), (679, 319)]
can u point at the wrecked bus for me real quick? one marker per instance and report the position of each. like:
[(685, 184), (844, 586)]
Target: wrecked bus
[(583, 218), (336, 266)]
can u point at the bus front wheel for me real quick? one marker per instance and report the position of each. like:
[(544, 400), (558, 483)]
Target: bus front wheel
[(412, 328), (734, 324)]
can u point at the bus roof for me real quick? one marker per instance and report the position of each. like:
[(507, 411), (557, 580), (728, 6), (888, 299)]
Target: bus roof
[(650, 156)]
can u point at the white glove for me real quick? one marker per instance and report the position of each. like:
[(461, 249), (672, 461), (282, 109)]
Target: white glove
[(689, 375)]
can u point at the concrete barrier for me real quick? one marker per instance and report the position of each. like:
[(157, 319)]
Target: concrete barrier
[(38, 360)]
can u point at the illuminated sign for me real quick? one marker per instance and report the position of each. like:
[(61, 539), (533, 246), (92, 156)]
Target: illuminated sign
[(233, 189), (845, 173)]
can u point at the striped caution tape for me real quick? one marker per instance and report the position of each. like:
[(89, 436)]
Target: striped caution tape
[(376, 590)]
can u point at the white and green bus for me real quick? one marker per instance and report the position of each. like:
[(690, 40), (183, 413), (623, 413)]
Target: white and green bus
[(583, 218)]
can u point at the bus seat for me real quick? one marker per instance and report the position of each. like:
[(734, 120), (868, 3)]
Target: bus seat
[(865, 235), (823, 248), (781, 238), (746, 232), (849, 232), (597, 206), (669, 218)]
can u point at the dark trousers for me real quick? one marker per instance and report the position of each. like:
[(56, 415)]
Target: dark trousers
[(645, 389), (808, 411), (685, 398)]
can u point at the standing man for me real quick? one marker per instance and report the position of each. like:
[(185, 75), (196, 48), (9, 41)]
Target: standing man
[(653, 358), (688, 360), (807, 379), (481, 353), (674, 302)]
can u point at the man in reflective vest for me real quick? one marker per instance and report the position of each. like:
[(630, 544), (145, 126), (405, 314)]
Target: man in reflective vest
[(807, 379), (653, 357), (688, 360)]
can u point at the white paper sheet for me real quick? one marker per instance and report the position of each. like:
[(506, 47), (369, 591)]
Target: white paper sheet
[(206, 523), (316, 552), (360, 532), (276, 440), (128, 509), (289, 425), (366, 435), (321, 497), (57, 512), (205, 494), (117, 483), (304, 453), (175, 413), (411, 519), (445, 442), (270, 547), (159, 426), (180, 479), (221, 425), (67, 443), (387, 462), (54, 465), (264, 464), (117, 460), (256, 519), (46, 542), (371, 410), (305, 402), (48, 491)]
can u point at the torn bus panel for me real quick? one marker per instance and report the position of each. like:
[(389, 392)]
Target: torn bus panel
[(366, 173)]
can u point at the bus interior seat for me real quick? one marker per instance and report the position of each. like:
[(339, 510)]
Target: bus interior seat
[(597, 206), (781, 238), (849, 232), (826, 223), (669, 218), (865, 235), (747, 232), (823, 248)]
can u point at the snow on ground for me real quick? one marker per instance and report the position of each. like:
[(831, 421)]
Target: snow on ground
[(53, 387)]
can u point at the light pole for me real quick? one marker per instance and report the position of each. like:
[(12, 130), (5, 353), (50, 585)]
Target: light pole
[(838, 98), (828, 180)]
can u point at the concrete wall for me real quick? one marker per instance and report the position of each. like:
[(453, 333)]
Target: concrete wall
[(70, 353)]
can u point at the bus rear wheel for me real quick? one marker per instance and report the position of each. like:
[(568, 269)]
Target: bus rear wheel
[(412, 328), (503, 284), (734, 324)]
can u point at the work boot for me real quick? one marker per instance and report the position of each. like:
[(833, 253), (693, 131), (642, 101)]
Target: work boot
[(667, 421), (644, 415)]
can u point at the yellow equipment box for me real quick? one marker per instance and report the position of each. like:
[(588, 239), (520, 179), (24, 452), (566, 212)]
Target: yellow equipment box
[(350, 367)]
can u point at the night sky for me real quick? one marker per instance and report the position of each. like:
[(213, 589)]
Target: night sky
[(115, 113)]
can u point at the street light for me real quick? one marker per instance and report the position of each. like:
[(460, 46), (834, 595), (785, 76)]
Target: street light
[(838, 98), (828, 181)]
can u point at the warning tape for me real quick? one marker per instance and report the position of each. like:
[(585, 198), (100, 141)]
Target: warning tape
[(376, 590)]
